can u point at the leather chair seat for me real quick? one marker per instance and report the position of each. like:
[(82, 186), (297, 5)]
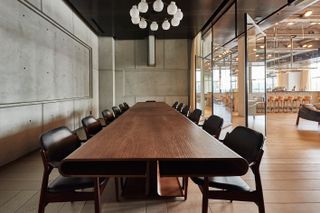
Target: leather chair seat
[(228, 183), (63, 184)]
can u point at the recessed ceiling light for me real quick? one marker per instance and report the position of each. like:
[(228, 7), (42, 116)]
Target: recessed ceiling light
[(257, 55), (290, 23), (289, 45), (310, 45), (254, 49), (269, 55), (307, 13), (313, 23), (262, 46), (304, 45)]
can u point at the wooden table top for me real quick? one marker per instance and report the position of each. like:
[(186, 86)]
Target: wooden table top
[(148, 133), (152, 131)]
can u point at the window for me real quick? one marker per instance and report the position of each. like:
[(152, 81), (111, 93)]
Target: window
[(257, 76), (315, 77)]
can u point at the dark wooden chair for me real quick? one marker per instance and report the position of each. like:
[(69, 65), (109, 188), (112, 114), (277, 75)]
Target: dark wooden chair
[(122, 108), (108, 116), (55, 146), (175, 105), (126, 105), (309, 112), (179, 107), (185, 110), (91, 126), (151, 101), (213, 125), (116, 111), (195, 116), (248, 144)]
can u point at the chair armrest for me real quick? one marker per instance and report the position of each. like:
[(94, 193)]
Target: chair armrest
[(55, 164)]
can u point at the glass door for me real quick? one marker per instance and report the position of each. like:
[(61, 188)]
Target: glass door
[(207, 78), (221, 75), (255, 75), (204, 86)]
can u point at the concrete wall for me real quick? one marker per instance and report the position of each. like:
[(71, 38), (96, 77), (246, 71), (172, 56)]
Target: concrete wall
[(126, 76), (33, 35)]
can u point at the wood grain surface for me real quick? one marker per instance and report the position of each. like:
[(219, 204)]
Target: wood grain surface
[(154, 132)]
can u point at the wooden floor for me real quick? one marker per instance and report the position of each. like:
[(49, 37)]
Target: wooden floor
[(290, 177)]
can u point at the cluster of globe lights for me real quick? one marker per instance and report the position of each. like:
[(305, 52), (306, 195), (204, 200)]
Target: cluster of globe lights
[(158, 6)]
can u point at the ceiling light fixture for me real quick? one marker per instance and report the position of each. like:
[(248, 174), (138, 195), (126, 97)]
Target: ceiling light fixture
[(154, 26), (307, 13), (143, 24), (143, 6), (310, 45), (304, 46), (290, 23), (173, 18)]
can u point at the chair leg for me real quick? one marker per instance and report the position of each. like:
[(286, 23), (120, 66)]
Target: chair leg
[(297, 122), (185, 187), (205, 198), (261, 206), (97, 196), (42, 204)]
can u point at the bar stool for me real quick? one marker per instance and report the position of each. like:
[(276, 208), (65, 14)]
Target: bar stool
[(296, 102), (279, 103), (307, 99), (270, 103), (288, 103)]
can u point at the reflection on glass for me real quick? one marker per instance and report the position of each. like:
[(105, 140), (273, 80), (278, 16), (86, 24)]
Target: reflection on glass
[(198, 83), (256, 77), (222, 97), (204, 86)]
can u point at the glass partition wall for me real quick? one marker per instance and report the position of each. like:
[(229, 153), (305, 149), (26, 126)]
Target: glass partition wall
[(255, 75), (222, 85), (204, 86)]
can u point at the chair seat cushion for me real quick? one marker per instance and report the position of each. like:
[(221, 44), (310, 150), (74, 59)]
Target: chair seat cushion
[(61, 183), (228, 183)]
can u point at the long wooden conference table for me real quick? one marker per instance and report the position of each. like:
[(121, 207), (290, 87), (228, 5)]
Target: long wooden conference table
[(153, 140)]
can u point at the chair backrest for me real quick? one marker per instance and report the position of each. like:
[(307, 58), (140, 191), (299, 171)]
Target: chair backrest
[(195, 116), (179, 107), (91, 126), (246, 142), (126, 105), (185, 110), (59, 143), (116, 111), (213, 125), (122, 108), (175, 105), (108, 116)]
